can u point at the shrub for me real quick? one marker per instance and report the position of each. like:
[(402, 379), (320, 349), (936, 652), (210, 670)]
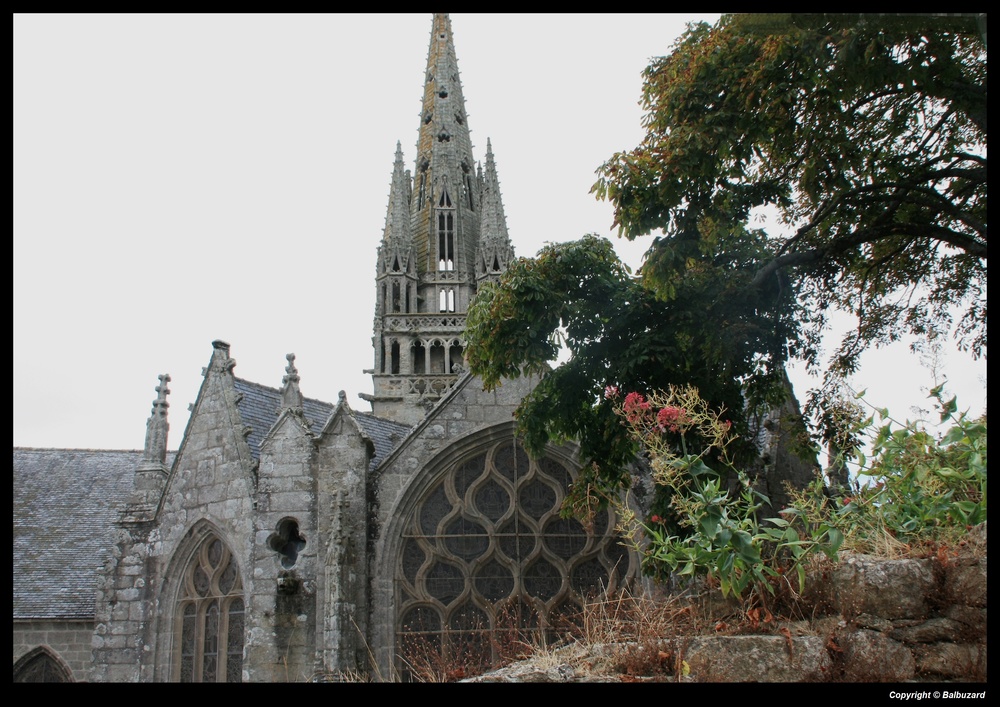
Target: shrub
[(914, 489)]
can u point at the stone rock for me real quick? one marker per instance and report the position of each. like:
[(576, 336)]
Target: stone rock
[(758, 659), (891, 589), (870, 656)]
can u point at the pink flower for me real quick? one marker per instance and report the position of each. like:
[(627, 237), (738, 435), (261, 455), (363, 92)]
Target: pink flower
[(670, 418), (635, 407), (656, 519), (632, 400), (610, 392)]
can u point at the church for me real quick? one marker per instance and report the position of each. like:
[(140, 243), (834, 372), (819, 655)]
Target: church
[(293, 539)]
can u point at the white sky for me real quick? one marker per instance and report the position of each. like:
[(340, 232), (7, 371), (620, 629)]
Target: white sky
[(185, 178)]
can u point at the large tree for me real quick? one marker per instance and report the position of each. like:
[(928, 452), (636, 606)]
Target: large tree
[(621, 335), (868, 140), (866, 134)]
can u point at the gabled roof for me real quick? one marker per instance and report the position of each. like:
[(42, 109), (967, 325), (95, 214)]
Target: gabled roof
[(65, 506), (385, 434), (259, 408), (66, 503)]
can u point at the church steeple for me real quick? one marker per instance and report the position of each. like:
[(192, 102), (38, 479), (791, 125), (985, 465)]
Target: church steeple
[(446, 223), (495, 249), (428, 261)]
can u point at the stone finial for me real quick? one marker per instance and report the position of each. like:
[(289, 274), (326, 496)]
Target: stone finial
[(495, 250), (291, 396), (157, 427), (220, 358)]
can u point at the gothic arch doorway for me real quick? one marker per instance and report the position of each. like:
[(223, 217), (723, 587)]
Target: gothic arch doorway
[(486, 560)]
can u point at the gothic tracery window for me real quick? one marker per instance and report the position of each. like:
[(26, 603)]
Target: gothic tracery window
[(210, 617), (486, 552), (41, 665)]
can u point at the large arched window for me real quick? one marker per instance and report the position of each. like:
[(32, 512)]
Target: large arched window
[(486, 554), (209, 618), (41, 664)]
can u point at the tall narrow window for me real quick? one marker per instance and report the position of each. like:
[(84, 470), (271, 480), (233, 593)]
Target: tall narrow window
[(446, 300), (210, 624), (446, 240), (468, 188), (418, 358), (446, 232), (394, 358)]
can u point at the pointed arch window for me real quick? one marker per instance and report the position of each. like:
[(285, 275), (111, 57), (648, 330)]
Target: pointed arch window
[(210, 617), (397, 302), (394, 358), (446, 233), (41, 664)]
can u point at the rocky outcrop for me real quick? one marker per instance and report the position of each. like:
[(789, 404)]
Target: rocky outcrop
[(871, 620)]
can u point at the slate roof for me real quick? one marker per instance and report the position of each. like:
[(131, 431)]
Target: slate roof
[(259, 409), (65, 505)]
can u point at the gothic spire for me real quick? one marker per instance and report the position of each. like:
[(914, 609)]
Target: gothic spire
[(445, 172), (397, 236), (421, 306), (495, 249), (155, 451)]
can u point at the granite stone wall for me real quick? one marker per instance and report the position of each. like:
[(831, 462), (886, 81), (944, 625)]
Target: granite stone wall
[(69, 641)]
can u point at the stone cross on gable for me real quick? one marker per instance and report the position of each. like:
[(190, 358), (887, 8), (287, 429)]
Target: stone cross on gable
[(162, 389)]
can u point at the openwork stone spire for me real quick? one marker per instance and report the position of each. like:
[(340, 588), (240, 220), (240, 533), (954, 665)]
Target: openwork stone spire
[(155, 451), (495, 249)]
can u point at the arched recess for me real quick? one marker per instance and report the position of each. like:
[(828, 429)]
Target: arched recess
[(205, 634), (484, 558), (42, 664)]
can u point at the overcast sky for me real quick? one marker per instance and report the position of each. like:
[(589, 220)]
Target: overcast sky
[(185, 178)]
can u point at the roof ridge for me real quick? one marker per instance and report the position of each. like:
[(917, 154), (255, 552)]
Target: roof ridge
[(277, 391)]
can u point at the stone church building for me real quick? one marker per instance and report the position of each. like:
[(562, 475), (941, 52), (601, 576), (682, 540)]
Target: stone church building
[(288, 538)]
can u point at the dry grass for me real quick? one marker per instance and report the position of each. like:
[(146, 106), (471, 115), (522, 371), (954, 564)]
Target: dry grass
[(640, 634), (622, 636)]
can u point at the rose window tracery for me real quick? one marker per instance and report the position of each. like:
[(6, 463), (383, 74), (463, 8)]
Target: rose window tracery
[(486, 551)]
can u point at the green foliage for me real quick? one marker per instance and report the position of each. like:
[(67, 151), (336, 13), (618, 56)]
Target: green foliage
[(717, 512), (917, 490), (618, 332), (869, 140), (914, 490)]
